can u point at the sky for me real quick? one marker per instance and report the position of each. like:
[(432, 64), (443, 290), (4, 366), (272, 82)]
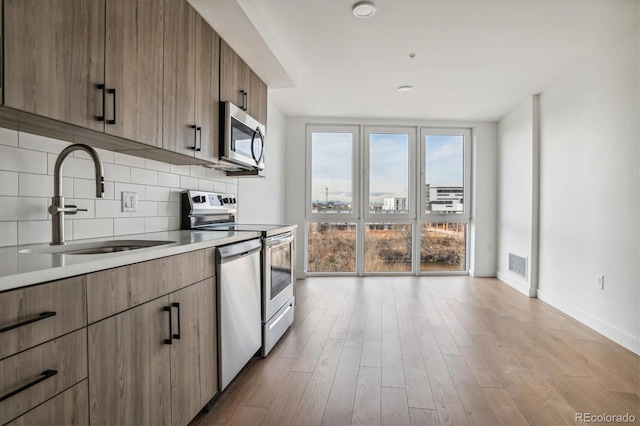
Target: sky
[(332, 164)]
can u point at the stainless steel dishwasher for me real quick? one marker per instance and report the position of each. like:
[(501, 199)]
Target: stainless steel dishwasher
[(239, 307)]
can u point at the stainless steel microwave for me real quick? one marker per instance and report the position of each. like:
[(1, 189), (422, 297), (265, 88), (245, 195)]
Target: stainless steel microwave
[(242, 141)]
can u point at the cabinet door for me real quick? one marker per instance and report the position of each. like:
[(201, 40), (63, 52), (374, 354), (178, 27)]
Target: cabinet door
[(231, 75), (207, 89), (129, 366), (194, 378), (257, 97), (54, 59), (179, 135), (133, 64)]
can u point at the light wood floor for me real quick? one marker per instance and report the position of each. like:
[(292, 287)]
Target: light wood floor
[(428, 351)]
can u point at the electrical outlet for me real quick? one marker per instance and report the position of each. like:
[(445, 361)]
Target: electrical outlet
[(600, 281), (129, 201)]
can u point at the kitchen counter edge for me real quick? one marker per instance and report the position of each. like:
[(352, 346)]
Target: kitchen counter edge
[(26, 269)]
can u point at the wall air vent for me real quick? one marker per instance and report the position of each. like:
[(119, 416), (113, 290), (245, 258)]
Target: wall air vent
[(518, 265)]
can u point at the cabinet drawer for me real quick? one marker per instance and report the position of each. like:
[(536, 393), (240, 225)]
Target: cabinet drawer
[(114, 290), (33, 376), (71, 407), (34, 315)]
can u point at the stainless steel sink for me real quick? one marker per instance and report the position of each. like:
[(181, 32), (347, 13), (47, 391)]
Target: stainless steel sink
[(98, 247)]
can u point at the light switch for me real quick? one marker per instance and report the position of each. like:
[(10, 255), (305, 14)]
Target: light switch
[(129, 201)]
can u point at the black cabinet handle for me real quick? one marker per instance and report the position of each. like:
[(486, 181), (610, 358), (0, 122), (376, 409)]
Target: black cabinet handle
[(199, 129), (195, 137), (244, 100), (40, 317), (177, 305), (169, 341), (101, 87), (113, 92), (43, 376)]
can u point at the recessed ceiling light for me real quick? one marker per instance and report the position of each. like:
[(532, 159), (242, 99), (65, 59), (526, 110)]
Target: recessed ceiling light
[(364, 9), (405, 88)]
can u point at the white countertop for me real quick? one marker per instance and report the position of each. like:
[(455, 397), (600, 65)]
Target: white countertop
[(19, 269)]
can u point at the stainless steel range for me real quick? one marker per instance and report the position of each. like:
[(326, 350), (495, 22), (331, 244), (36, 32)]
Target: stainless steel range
[(210, 211)]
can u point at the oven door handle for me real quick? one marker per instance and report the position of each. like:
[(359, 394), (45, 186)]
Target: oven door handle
[(279, 240)]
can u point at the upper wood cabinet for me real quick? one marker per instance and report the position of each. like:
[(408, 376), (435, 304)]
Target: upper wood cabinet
[(190, 83), (240, 85), (54, 59), (133, 70), (86, 62)]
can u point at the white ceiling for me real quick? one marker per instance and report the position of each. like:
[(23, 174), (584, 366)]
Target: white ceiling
[(475, 59)]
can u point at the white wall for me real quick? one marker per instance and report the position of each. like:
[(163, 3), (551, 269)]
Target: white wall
[(483, 226), (262, 199), (483, 203), (26, 187), (589, 190), (514, 206)]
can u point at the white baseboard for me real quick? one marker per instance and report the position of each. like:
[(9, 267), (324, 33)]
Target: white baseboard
[(621, 337), (512, 281)]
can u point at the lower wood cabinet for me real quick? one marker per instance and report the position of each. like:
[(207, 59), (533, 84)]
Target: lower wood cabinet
[(71, 407), (194, 359), (32, 377), (155, 364)]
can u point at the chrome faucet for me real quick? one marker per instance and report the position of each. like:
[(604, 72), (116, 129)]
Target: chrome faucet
[(57, 208)]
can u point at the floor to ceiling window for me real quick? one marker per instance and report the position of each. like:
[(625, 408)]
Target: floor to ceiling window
[(386, 200)]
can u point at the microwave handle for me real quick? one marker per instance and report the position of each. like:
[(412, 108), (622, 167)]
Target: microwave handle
[(253, 154)]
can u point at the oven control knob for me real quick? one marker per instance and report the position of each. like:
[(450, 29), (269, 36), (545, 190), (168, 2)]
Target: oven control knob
[(226, 200), (233, 201), (199, 199)]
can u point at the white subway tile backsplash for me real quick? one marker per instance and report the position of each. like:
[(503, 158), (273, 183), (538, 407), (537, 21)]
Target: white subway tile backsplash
[(22, 160), (147, 209), (23, 208), (8, 137), (157, 165), (41, 143), (181, 170), (117, 173), (188, 182), (199, 172), (167, 179), (8, 183), (26, 187), (35, 185), (110, 208), (125, 226), (8, 233), (128, 160), (156, 224), (34, 232), (232, 188), (92, 228), (168, 209), (144, 176), (205, 185), (158, 193)]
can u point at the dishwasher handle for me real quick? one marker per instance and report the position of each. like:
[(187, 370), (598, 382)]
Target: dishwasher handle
[(232, 252)]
